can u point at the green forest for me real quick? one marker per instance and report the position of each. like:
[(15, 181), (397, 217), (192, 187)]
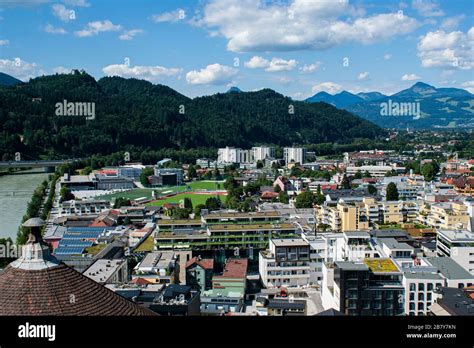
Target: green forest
[(138, 116)]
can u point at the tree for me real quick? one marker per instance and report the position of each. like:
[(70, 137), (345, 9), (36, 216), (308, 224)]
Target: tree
[(372, 189), (283, 197), (180, 213), (358, 175), (345, 183), (429, 170), (86, 171), (213, 203), (367, 174), (277, 189), (144, 176), (392, 192), (305, 199), (188, 203), (121, 202), (66, 194), (192, 173), (260, 164), (217, 174), (198, 208)]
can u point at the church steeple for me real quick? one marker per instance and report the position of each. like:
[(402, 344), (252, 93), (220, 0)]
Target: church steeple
[(35, 253)]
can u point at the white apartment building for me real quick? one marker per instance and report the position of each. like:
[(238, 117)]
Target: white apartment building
[(458, 245), (420, 280), (260, 153), (375, 171), (286, 263), (294, 154), (228, 155), (422, 276), (83, 207)]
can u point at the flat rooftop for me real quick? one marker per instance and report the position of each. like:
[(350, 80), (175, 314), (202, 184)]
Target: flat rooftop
[(382, 265), (449, 268), (160, 259), (101, 270), (351, 266), (250, 227), (357, 234), (233, 215), (457, 236), (393, 244), (422, 275), (290, 242), (234, 268), (165, 222)]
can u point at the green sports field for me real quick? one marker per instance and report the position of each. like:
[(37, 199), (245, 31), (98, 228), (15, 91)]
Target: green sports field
[(139, 193), (195, 198)]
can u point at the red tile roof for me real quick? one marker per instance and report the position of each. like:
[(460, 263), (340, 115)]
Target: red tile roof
[(59, 291), (235, 268), (204, 263), (269, 195), (140, 281)]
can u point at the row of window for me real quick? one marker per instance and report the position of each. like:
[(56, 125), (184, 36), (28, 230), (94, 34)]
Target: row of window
[(421, 286)]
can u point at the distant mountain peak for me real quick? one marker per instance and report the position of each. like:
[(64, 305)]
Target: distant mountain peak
[(234, 89), (7, 80), (422, 85), (340, 100)]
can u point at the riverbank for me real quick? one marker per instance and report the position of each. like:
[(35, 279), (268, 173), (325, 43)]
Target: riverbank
[(16, 190)]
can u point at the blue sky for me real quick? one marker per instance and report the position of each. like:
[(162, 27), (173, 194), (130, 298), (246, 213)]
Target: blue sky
[(296, 47)]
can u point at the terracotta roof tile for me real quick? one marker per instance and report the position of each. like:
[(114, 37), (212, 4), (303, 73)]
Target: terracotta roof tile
[(59, 291)]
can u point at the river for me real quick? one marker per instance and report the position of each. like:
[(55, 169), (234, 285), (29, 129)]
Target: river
[(13, 207)]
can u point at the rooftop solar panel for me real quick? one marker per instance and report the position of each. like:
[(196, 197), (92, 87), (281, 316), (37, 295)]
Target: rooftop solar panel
[(75, 243), (69, 250)]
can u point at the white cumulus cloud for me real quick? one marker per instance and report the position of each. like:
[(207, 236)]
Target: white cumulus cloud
[(54, 30), (257, 25), (213, 74), (363, 75), (4, 42), (19, 68), (427, 8), (449, 50), (310, 68), (410, 77), (94, 28), (329, 87), (63, 13), (469, 85), (150, 73), (130, 34), (274, 65), (172, 17), (78, 3)]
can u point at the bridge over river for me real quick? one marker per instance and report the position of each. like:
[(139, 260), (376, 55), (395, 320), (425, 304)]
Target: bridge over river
[(49, 165)]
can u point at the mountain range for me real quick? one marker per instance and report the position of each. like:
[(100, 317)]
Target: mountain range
[(7, 80), (136, 115), (425, 107)]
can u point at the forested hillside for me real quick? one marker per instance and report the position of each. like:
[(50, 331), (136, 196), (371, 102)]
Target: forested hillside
[(135, 115)]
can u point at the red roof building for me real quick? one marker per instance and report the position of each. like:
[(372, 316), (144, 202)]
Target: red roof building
[(38, 284)]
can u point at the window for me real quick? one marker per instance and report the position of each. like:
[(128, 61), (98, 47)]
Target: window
[(428, 296), (421, 306), (421, 296), (421, 287), (412, 306), (430, 286), (412, 287), (412, 296)]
